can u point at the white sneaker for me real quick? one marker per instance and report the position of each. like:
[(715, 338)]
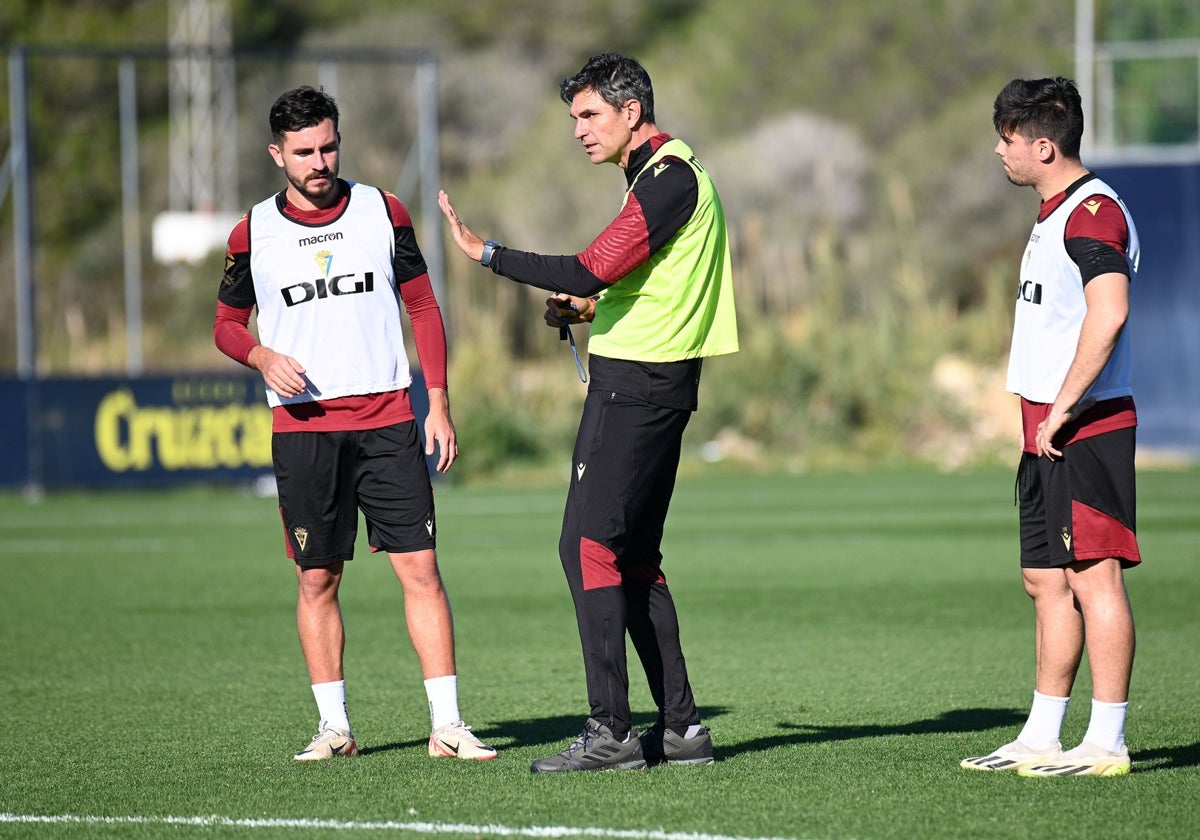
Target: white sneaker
[(1084, 760), (329, 742), (455, 740), (1012, 756)]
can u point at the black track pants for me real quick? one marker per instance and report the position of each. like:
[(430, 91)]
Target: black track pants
[(622, 477)]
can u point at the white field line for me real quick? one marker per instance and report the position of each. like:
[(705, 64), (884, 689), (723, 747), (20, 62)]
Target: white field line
[(388, 825)]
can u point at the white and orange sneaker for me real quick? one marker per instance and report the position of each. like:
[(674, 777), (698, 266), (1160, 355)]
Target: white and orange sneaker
[(455, 740), (329, 742)]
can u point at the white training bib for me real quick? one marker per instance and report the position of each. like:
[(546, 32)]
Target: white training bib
[(1051, 306), (327, 297)]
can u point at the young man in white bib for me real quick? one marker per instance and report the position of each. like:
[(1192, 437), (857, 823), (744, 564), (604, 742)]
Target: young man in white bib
[(328, 263), (1070, 364)]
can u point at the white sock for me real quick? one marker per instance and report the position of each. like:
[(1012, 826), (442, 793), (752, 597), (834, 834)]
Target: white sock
[(1107, 725), (331, 704), (1044, 723), (443, 700)]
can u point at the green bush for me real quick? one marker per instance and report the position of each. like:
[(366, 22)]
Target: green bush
[(491, 436)]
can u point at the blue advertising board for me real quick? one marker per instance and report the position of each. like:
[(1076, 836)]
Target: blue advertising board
[(98, 432), (155, 430)]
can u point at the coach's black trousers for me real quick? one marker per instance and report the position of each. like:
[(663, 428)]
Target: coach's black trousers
[(622, 477)]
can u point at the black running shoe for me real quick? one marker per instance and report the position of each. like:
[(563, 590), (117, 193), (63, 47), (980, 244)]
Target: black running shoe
[(660, 745), (596, 748)]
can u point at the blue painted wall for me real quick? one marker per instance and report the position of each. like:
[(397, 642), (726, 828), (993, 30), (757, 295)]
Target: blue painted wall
[(1165, 202)]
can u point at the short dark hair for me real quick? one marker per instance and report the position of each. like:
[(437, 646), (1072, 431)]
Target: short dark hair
[(617, 78), (1033, 108), (300, 108)]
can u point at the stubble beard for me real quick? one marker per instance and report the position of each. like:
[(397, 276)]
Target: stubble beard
[(318, 196)]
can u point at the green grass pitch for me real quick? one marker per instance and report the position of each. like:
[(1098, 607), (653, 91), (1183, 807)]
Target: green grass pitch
[(850, 638)]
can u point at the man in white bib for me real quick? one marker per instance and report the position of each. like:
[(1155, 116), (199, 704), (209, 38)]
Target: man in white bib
[(1070, 364), (328, 263)]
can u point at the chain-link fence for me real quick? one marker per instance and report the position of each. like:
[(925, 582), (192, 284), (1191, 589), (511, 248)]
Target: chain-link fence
[(123, 173)]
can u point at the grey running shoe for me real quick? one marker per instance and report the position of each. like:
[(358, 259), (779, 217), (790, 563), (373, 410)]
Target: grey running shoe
[(596, 748), (660, 745)]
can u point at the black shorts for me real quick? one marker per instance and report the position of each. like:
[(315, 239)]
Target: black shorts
[(325, 478), (1080, 506)]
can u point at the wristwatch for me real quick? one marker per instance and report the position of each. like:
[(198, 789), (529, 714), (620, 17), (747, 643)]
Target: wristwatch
[(489, 251)]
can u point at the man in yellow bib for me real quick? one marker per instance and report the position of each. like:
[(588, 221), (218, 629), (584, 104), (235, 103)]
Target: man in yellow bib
[(657, 288)]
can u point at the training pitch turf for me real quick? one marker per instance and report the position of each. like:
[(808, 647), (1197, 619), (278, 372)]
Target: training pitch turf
[(850, 638)]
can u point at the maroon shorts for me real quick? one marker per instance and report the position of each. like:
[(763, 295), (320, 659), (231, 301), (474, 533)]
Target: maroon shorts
[(1080, 506), (325, 478)]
